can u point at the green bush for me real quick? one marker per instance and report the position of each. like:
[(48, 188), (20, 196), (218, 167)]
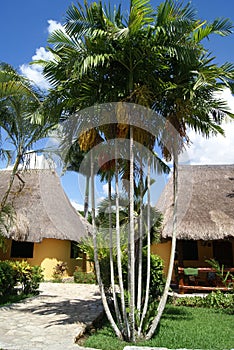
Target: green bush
[(59, 271), (157, 280), (28, 276), (188, 301), (226, 278), (215, 299), (13, 273), (36, 278), (7, 278), (84, 277), (219, 300)]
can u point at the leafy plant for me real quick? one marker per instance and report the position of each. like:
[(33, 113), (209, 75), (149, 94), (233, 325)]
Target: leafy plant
[(14, 273), (216, 299), (59, 271), (219, 300), (225, 277), (28, 276), (36, 278), (84, 277), (157, 280), (103, 242), (7, 278)]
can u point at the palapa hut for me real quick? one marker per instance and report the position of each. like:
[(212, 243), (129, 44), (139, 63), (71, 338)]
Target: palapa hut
[(46, 227), (205, 225)]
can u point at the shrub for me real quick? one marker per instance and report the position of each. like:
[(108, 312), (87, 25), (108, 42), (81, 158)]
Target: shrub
[(28, 276), (59, 271), (13, 273), (157, 280), (7, 278), (189, 301), (36, 278), (216, 299), (219, 300), (84, 277), (226, 278)]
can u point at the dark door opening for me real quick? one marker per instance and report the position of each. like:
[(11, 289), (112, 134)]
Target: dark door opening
[(222, 251)]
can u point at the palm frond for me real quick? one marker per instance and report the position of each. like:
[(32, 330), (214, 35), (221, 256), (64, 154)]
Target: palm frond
[(141, 15)]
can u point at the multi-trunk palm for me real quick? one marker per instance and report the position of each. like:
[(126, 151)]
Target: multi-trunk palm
[(154, 59)]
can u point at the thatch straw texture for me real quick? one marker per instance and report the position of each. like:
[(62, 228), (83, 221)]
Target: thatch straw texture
[(42, 208), (205, 203)]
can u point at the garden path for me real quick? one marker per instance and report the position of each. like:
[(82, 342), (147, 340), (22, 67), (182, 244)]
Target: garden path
[(52, 320)]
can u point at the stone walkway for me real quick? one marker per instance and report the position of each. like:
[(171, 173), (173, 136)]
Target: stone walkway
[(52, 320)]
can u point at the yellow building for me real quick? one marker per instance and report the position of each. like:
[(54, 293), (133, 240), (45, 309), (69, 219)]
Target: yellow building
[(205, 217), (45, 228)]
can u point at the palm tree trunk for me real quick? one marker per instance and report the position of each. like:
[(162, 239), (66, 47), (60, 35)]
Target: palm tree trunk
[(163, 300), (148, 251), (118, 247), (139, 284), (131, 253), (97, 266), (112, 274), (86, 200)]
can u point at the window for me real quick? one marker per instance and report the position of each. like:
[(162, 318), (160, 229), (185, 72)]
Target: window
[(190, 250), (75, 251), (22, 249)]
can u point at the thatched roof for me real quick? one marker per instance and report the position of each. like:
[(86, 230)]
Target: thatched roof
[(205, 203), (42, 208)]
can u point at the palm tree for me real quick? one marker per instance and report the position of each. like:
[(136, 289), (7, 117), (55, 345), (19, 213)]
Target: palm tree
[(153, 60), (21, 118)]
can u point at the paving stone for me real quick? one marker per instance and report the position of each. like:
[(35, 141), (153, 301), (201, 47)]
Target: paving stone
[(52, 320)]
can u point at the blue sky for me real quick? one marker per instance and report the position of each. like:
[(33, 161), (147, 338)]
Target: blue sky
[(24, 28)]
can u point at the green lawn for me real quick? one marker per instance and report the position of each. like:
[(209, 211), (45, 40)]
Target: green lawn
[(181, 327)]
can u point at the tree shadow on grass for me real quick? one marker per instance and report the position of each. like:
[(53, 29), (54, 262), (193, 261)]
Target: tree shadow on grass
[(177, 314)]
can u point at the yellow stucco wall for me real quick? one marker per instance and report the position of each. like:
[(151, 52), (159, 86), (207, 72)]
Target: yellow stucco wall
[(48, 254), (205, 252), (163, 250)]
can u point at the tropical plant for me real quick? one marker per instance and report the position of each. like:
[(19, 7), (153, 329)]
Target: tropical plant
[(27, 276), (225, 277), (155, 60), (59, 271), (19, 274), (216, 299), (7, 279), (22, 119), (84, 277)]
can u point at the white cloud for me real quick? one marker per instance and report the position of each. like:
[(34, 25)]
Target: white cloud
[(76, 205), (54, 25), (34, 72), (42, 54), (217, 149), (226, 95)]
